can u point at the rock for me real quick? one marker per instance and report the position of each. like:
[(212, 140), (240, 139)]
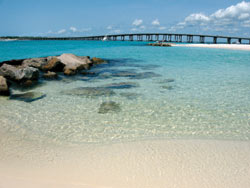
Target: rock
[(129, 95), (160, 44), (50, 75), (124, 74), (167, 87), (35, 62), (19, 73), (107, 107), (169, 80), (27, 83), (28, 97), (74, 63), (145, 75), (90, 92), (122, 85), (97, 61), (4, 88), (54, 64), (69, 71), (12, 62)]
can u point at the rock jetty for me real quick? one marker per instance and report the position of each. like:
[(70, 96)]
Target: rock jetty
[(26, 72), (160, 44)]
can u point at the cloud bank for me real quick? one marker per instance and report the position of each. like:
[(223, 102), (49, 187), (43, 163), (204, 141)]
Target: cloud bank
[(230, 19)]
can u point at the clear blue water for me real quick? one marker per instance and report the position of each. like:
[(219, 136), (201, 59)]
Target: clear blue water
[(208, 98)]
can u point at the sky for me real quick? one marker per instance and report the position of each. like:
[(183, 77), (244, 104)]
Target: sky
[(100, 17)]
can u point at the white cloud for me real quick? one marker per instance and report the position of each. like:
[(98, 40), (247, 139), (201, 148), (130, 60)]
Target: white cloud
[(116, 31), (142, 27), (235, 16), (162, 28), (61, 31), (156, 22), (134, 29), (73, 29), (109, 27), (137, 22)]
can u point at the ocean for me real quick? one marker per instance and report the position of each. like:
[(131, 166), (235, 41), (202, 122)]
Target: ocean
[(180, 93)]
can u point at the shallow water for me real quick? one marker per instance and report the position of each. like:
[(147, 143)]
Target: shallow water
[(178, 93)]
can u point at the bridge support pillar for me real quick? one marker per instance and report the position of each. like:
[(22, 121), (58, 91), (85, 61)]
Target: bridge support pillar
[(190, 38), (157, 37), (180, 38), (169, 38), (240, 40), (164, 38), (229, 40), (202, 39), (215, 40), (131, 37)]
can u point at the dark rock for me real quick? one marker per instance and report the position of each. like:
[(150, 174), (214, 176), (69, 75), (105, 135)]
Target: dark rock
[(107, 107), (167, 87), (50, 75), (14, 62), (130, 96), (4, 88), (19, 73), (54, 64), (122, 85), (35, 62), (97, 61), (169, 80), (124, 74), (90, 92), (27, 83), (145, 75), (28, 97)]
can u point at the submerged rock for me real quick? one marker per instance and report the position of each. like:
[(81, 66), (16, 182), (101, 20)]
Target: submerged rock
[(35, 62), (169, 80), (50, 75), (54, 64), (19, 73), (167, 87), (90, 91), (122, 85), (125, 74), (130, 95), (4, 88), (145, 75), (107, 107), (97, 61), (28, 97)]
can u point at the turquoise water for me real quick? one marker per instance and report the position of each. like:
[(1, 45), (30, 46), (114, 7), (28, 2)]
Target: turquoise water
[(193, 93)]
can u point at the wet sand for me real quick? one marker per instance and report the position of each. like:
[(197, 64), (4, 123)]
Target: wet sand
[(154, 164), (221, 46)]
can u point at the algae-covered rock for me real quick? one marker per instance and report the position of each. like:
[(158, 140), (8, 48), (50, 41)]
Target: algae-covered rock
[(90, 92), (122, 85), (107, 107), (97, 61), (54, 64), (28, 96)]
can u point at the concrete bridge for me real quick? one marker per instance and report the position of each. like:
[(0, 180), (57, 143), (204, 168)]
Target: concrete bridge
[(162, 37), (170, 37)]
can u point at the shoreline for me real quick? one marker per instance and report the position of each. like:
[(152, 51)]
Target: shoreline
[(155, 163), (244, 47)]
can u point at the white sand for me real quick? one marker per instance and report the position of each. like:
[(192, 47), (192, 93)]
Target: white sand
[(145, 164), (222, 46)]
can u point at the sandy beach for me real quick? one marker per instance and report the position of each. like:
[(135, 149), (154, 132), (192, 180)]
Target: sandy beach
[(220, 46), (154, 164)]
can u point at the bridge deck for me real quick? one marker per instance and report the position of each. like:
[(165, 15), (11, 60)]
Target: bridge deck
[(166, 37)]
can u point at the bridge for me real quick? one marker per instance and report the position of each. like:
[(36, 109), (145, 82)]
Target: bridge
[(161, 37)]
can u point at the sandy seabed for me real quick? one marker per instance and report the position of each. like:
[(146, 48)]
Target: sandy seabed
[(245, 47), (142, 164)]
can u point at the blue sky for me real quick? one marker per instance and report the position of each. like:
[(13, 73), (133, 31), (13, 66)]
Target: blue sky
[(93, 17)]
